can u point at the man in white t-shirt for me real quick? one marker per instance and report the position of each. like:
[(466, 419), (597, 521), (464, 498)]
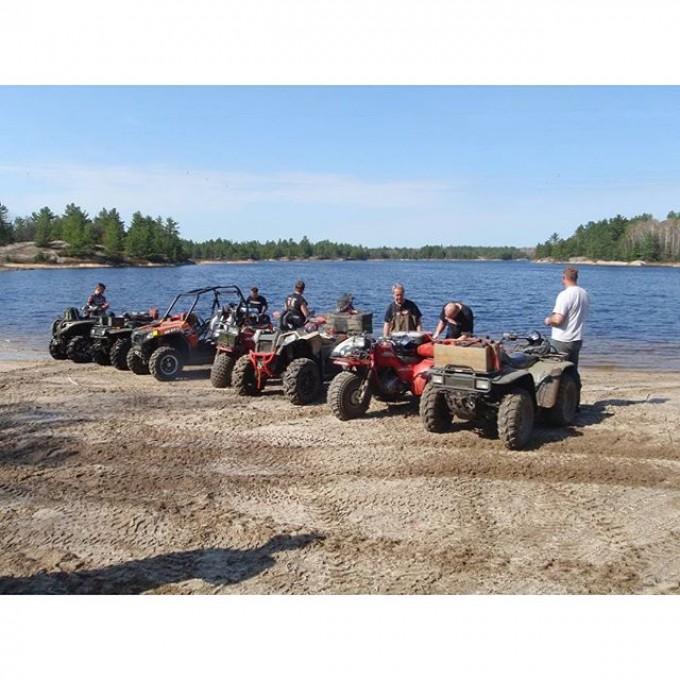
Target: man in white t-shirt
[(568, 319)]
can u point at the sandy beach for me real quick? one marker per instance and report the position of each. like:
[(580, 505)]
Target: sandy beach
[(116, 483)]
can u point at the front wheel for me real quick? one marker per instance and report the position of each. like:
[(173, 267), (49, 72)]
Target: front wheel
[(564, 410), (349, 396), (244, 378), (434, 411), (165, 363), (78, 350), (301, 381), (136, 364), (101, 356), (119, 352), (57, 350), (221, 371), (515, 418)]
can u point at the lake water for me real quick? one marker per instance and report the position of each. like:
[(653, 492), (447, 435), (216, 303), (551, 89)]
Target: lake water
[(633, 320)]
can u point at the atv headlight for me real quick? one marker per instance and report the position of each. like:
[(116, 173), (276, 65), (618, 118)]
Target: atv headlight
[(482, 384), (437, 379)]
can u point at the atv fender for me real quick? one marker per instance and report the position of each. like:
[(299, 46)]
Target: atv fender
[(547, 379)]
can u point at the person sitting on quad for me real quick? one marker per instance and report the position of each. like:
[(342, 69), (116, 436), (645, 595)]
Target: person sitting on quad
[(257, 304), (402, 314), (96, 303), (345, 304), (456, 319), (296, 312)]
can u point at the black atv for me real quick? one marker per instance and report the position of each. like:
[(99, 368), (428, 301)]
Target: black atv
[(71, 334), (110, 337)]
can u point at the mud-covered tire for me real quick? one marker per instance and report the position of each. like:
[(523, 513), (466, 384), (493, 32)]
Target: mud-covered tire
[(166, 363), (78, 350), (221, 371), (434, 411), (56, 350), (344, 397), (516, 419), (136, 364), (119, 352), (564, 410), (244, 379), (301, 381)]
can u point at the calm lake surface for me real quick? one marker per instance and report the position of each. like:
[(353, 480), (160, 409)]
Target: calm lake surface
[(634, 321)]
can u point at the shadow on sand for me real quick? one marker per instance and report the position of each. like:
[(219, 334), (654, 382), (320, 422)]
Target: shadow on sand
[(219, 566)]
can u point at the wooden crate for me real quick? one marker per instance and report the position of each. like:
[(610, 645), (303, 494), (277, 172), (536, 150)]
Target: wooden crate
[(342, 322), (476, 357)]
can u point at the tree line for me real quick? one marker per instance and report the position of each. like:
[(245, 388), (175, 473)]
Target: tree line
[(147, 238), (157, 239), (619, 238)]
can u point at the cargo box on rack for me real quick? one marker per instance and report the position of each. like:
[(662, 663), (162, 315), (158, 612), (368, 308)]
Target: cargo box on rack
[(343, 322), (478, 357)]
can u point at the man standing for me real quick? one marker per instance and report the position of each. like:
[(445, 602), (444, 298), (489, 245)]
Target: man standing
[(456, 319), (402, 314), (568, 319)]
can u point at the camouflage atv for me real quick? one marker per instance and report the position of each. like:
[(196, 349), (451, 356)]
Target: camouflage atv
[(234, 340), (110, 338), (478, 379), (71, 334), (300, 358), (185, 335)]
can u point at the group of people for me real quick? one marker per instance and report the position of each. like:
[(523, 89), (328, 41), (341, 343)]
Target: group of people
[(456, 319)]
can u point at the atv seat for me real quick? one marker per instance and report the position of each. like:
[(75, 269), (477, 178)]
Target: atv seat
[(406, 344), (519, 359)]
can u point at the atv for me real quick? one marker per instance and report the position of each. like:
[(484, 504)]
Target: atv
[(299, 357), (480, 379), (71, 334), (388, 368), (110, 338), (185, 335), (234, 340)]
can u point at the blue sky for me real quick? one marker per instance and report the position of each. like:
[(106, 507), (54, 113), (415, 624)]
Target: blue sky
[(487, 157)]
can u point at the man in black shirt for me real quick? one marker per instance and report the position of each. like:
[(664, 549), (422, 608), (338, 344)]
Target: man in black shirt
[(402, 314), (296, 313), (456, 319)]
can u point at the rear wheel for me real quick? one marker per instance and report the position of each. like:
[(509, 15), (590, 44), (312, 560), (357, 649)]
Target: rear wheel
[(166, 363), (515, 418), (78, 350), (57, 351), (301, 381), (136, 364), (119, 353), (348, 396), (564, 410), (244, 378), (222, 369), (434, 411)]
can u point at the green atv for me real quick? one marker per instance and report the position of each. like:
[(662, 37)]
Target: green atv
[(479, 379)]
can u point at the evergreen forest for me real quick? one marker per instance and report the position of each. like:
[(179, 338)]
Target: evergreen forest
[(158, 240)]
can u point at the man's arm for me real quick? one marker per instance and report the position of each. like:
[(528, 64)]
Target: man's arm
[(438, 330), (554, 319)]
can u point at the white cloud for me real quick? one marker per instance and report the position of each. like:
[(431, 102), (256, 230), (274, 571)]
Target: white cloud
[(165, 190)]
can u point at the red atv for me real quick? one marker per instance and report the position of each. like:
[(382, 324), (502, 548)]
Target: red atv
[(235, 339), (388, 368)]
